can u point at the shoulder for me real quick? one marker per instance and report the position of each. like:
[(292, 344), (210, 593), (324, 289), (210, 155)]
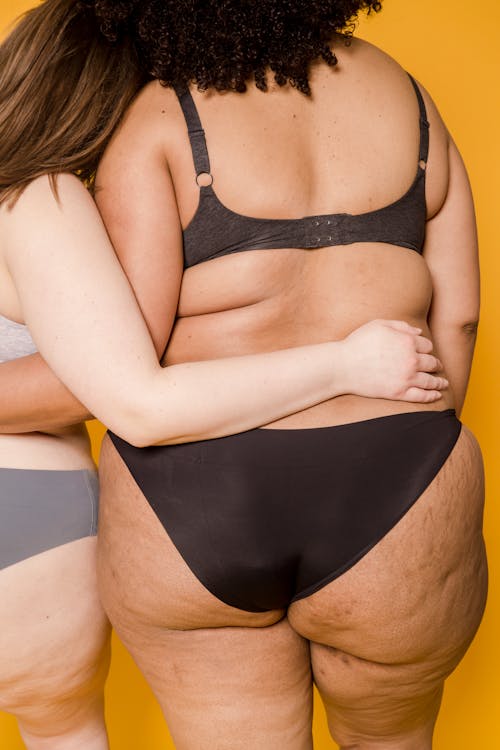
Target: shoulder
[(49, 214), (151, 118), (44, 197), (386, 86), (385, 75)]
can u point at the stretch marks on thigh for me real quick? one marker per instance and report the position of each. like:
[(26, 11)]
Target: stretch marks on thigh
[(267, 517)]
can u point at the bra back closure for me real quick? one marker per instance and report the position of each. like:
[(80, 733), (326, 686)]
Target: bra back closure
[(216, 231)]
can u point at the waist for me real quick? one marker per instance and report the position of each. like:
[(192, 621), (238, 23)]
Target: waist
[(350, 409), (343, 409), (65, 450), (375, 439)]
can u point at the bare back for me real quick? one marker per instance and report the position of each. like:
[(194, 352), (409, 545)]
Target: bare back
[(350, 148)]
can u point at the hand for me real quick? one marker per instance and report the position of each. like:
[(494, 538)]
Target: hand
[(391, 359)]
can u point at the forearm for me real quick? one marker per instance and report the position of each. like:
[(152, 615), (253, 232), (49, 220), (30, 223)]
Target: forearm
[(454, 343), (205, 400), (32, 398), (202, 400)]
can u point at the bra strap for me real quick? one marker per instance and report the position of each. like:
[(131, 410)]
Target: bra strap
[(199, 144), (195, 132), (424, 123)]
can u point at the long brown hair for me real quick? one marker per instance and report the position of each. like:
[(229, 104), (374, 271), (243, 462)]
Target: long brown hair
[(63, 89)]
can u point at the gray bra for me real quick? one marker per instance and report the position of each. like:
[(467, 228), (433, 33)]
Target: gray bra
[(15, 340), (215, 230)]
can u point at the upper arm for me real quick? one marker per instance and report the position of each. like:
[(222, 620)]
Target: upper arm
[(75, 298), (450, 248), (136, 198), (451, 251)]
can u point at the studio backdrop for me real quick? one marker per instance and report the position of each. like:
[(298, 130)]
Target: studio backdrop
[(452, 47)]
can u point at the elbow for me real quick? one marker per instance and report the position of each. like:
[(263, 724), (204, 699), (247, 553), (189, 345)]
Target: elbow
[(136, 439), (462, 325), (143, 430), (470, 328), (142, 422), (144, 438), (142, 435), (135, 432), (130, 423)]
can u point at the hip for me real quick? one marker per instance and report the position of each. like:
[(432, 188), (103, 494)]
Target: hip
[(350, 409), (67, 451)]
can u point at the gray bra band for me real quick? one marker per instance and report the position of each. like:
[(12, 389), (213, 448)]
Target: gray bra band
[(40, 510), (15, 340)]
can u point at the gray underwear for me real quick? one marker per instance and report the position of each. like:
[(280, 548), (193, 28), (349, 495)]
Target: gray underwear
[(40, 510)]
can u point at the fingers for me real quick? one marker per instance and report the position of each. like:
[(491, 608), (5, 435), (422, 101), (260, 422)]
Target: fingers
[(423, 345), (428, 363), (427, 388), (429, 382), (401, 325), (421, 396)]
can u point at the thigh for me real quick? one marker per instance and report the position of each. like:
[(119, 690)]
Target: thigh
[(224, 677), (229, 688), (54, 635), (386, 634), (142, 576)]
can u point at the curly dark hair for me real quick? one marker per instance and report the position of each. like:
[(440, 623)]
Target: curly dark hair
[(225, 44)]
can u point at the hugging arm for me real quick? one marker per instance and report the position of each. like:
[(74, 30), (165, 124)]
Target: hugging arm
[(85, 321), (32, 398)]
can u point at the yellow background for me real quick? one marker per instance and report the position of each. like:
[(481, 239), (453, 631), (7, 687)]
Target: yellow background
[(454, 50)]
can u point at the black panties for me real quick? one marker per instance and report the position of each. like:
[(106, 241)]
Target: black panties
[(267, 517)]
